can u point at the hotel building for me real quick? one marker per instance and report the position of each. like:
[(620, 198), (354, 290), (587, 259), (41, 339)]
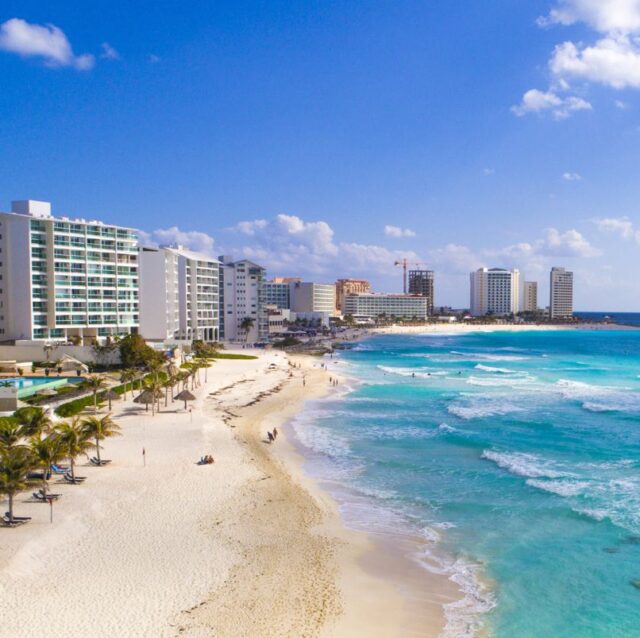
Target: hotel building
[(495, 291), (530, 296), (307, 297), (242, 309), (560, 294), (369, 306), (179, 295), (276, 291), (421, 282), (346, 287), (64, 278)]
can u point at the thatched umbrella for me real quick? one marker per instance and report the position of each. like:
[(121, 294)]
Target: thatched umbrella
[(110, 395), (48, 392), (185, 396), (147, 396)]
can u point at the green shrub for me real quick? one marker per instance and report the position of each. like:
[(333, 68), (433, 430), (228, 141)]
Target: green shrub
[(229, 355)]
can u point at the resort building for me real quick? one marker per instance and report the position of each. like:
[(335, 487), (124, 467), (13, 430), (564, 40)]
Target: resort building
[(65, 279), (346, 287), (179, 295), (421, 282), (370, 306), (309, 297), (242, 312), (276, 291), (560, 294), (530, 296), (495, 291)]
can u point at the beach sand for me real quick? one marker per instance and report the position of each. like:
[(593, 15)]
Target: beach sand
[(248, 546)]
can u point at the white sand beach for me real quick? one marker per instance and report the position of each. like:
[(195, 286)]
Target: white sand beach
[(245, 547)]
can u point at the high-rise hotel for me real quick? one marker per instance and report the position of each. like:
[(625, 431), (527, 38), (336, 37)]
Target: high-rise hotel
[(495, 291), (65, 279), (179, 294), (560, 294)]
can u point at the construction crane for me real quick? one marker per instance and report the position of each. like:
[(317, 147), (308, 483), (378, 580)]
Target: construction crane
[(404, 263)]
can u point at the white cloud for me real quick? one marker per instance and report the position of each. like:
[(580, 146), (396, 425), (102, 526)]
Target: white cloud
[(568, 244), (250, 228), (192, 239), (488, 171), (455, 259), (288, 244), (571, 177), (47, 42), (623, 106), (622, 226), (154, 59), (396, 231), (605, 16), (613, 61), (108, 52), (536, 101)]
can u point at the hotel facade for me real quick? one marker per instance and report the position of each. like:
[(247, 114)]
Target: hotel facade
[(243, 315), (65, 279), (179, 295), (530, 296), (495, 291), (370, 306), (560, 293), (346, 287)]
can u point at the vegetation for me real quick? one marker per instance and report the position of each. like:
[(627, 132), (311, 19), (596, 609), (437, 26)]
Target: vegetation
[(231, 355), (135, 353), (15, 465), (29, 442), (99, 428), (74, 440), (286, 342)]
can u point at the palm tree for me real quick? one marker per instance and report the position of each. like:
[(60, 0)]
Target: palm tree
[(45, 453), (155, 388), (15, 465), (128, 376), (245, 325), (33, 420), (99, 429), (95, 382), (11, 433), (74, 441)]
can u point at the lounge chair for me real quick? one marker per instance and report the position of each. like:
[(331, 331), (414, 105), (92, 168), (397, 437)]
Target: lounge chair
[(94, 461), (12, 523), (77, 479), (59, 469), (39, 496), (18, 518)]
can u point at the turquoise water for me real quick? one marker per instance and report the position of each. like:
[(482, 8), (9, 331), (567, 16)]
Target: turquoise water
[(515, 455)]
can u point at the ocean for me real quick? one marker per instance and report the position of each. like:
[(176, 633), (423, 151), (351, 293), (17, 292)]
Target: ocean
[(514, 455)]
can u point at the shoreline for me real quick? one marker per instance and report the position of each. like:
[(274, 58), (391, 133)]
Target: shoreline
[(249, 546)]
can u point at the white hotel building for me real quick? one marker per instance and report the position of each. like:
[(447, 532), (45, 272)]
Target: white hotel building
[(495, 291), (179, 295), (367, 306), (64, 278), (243, 316)]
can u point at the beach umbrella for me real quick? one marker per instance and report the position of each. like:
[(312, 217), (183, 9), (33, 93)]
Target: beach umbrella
[(185, 396), (110, 395), (147, 397), (47, 392)]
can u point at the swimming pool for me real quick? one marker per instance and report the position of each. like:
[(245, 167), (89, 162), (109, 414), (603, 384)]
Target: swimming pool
[(28, 386)]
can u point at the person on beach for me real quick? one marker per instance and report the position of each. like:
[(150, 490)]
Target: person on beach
[(270, 437), (275, 433)]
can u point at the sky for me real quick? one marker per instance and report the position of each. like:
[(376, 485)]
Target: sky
[(329, 139)]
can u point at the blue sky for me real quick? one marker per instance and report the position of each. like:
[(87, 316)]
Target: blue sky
[(330, 138)]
